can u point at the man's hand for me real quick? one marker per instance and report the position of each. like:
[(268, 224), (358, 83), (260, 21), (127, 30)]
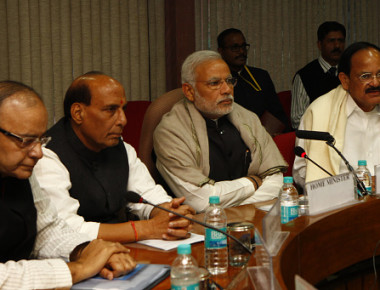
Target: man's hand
[(109, 259), (117, 265), (173, 226), (178, 226)]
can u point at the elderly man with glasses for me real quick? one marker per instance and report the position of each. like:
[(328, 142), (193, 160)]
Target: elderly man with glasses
[(254, 90), (350, 113), (35, 245), (209, 145)]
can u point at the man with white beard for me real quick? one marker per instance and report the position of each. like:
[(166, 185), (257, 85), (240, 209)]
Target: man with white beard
[(209, 145)]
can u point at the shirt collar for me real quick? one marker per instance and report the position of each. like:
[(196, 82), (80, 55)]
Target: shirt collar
[(352, 106), (324, 64), (215, 123)]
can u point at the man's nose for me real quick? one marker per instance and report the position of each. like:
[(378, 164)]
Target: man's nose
[(336, 43), (375, 81), (122, 119), (36, 151), (225, 88)]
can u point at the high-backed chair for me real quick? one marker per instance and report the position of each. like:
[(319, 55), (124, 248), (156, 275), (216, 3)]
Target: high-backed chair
[(134, 111), (285, 98), (285, 143), (153, 115)]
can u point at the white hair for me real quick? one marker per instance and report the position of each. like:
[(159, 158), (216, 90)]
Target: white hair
[(193, 60)]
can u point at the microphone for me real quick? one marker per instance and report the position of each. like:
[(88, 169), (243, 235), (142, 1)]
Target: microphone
[(362, 189), (325, 136), (136, 198), (314, 135), (300, 152)]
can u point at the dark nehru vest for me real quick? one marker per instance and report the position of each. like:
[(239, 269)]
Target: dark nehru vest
[(229, 156), (317, 82), (18, 228), (99, 179)]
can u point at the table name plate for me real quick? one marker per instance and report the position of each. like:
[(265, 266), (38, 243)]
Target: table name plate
[(330, 193)]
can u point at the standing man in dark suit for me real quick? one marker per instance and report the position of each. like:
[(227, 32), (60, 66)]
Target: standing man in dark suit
[(254, 89), (321, 75)]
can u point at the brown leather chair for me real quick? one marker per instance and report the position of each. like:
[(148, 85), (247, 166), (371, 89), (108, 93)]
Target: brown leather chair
[(153, 115), (134, 111)]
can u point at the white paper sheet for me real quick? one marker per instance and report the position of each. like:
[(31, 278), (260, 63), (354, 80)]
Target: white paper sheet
[(169, 245)]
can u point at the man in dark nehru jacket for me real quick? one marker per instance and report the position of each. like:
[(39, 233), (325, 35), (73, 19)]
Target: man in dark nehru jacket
[(321, 75), (33, 241), (87, 169), (254, 89)]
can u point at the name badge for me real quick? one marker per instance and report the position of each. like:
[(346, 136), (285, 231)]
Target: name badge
[(330, 193)]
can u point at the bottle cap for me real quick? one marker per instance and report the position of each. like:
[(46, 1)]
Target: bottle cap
[(214, 199), (288, 179), (240, 226), (184, 249), (362, 162)]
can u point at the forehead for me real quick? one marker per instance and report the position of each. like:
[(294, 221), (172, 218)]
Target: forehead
[(212, 69), (234, 38), (23, 114), (366, 60), (105, 90), (20, 101), (333, 35)]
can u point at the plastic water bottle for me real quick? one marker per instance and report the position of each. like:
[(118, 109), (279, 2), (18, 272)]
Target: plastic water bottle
[(364, 175), (184, 274), (216, 252), (289, 201)]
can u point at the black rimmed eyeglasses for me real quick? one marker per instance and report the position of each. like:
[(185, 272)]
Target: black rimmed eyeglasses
[(237, 48), (216, 84), (26, 142)]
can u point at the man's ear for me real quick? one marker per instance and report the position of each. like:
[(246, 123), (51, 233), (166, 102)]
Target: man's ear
[(188, 91), (319, 44), (344, 80), (77, 113)]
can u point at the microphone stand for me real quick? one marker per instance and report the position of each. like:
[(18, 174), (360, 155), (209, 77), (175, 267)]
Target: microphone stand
[(362, 188), (320, 167), (201, 223)]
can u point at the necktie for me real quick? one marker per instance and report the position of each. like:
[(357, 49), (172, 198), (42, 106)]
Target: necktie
[(332, 71)]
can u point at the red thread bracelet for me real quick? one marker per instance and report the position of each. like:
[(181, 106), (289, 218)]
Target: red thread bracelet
[(134, 229)]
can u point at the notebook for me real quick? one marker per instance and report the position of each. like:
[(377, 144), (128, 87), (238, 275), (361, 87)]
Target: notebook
[(144, 276)]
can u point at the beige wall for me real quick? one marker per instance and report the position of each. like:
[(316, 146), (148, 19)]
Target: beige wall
[(48, 43), (283, 33)]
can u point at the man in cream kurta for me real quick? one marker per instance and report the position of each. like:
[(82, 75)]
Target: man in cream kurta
[(350, 113), (182, 140)]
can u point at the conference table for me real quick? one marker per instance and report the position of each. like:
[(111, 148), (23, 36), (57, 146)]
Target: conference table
[(317, 246)]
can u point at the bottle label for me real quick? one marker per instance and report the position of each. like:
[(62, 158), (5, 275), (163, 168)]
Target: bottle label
[(288, 213), (369, 190), (194, 286), (215, 240)]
